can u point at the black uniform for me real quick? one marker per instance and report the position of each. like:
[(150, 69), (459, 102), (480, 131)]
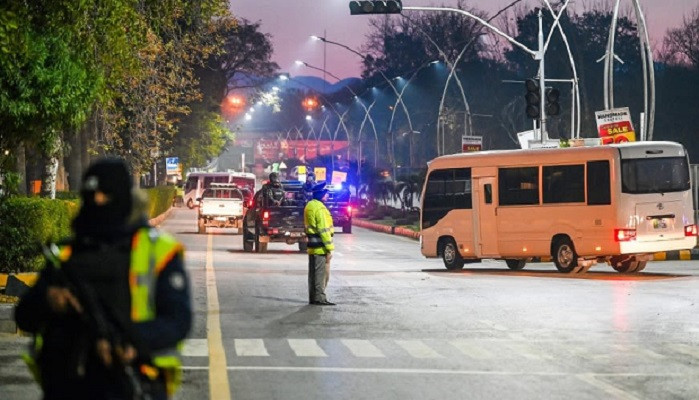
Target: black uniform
[(97, 271)]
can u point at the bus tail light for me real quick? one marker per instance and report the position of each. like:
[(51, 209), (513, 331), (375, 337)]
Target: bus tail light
[(690, 230), (624, 235)]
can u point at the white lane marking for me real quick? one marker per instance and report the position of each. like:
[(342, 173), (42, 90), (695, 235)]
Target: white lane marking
[(362, 348), (196, 348), (306, 348), (418, 349), (637, 349), (492, 325), (611, 390), (219, 387), (441, 372), (685, 349), (250, 348), (471, 349), (526, 351)]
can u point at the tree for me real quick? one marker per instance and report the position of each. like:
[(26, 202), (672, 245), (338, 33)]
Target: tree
[(681, 46), (241, 59)]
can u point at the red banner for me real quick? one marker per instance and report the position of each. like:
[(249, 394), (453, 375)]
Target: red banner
[(276, 150)]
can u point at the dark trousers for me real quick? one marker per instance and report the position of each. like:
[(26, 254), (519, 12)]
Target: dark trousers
[(318, 274)]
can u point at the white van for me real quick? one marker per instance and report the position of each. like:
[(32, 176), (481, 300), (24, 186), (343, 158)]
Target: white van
[(197, 182)]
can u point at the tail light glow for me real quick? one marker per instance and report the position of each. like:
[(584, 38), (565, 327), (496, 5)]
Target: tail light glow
[(624, 235), (265, 215), (690, 230), (349, 209)]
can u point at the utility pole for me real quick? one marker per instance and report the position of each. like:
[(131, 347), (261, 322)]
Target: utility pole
[(542, 81)]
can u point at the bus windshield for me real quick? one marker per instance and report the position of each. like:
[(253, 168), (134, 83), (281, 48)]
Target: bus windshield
[(654, 175)]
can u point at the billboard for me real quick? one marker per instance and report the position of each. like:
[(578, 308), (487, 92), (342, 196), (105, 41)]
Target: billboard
[(614, 126), (471, 143), (269, 151)]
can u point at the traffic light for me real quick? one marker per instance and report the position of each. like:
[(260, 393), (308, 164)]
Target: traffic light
[(533, 98), (375, 7), (552, 106)]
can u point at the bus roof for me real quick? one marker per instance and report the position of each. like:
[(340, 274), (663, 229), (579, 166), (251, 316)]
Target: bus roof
[(533, 156)]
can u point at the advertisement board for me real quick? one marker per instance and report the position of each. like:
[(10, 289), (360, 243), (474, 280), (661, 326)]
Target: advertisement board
[(338, 178), (269, 151), (320, 173), (173, 167), (614, 126), (471, 143)]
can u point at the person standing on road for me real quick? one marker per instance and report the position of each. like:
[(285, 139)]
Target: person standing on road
[(319, 230), (273, 191), (112, 304), (309, 185)]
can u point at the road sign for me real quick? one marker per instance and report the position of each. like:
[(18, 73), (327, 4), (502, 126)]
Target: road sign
[(172, 166), (471, 143), (614, 126)]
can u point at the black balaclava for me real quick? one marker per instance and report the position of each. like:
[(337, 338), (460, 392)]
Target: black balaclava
[(274, 179), (110, 176)]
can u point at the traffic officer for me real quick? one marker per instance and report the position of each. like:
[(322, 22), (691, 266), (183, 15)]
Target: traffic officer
[(319, 231), (273, 191), (112, 304)]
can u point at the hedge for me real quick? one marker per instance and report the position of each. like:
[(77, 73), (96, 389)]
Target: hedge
[(27, 222), (159, 199)]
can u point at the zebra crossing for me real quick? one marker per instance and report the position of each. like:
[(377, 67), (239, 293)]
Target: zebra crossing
[(442, 349)]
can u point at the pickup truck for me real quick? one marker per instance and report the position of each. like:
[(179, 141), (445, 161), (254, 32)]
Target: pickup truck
[(222, 206), (265, 223)]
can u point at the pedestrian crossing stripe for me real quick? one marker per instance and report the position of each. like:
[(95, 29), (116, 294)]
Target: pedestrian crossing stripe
[(474, 349)]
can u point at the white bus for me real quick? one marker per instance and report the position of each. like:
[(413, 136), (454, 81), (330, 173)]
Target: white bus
[(617, 204), (198, 181)]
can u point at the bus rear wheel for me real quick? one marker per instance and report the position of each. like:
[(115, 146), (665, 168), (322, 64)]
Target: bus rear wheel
[(515, 265), (564, 256), (628, 266), (450, 255)]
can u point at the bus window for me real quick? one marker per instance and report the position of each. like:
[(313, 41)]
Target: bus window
[(564, 184), (191, 184), (461, 189), (448, 189), (598, 184), (654, 175), (488, 189), (518, 186)]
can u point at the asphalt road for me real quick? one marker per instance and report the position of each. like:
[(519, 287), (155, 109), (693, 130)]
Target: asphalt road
[(405, 328)]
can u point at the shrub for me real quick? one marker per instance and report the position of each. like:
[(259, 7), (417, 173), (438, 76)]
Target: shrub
[(25, 224), (68, 195), (159, 199)]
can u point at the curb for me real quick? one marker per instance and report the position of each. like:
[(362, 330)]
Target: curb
[(392, 230), (677, 255), (7, 323)]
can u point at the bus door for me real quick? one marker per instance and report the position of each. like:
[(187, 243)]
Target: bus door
[(486, 232)]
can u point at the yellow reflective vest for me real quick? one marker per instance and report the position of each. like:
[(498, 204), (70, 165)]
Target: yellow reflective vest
[(151, 251), (319, 228)]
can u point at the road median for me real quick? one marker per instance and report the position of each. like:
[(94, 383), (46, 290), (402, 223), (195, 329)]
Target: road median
[(393, 230)]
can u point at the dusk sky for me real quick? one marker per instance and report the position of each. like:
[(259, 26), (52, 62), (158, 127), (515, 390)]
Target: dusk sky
[(292, 22)]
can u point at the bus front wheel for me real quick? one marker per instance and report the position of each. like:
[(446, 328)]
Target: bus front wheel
[(564, 256), (450, 255)]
